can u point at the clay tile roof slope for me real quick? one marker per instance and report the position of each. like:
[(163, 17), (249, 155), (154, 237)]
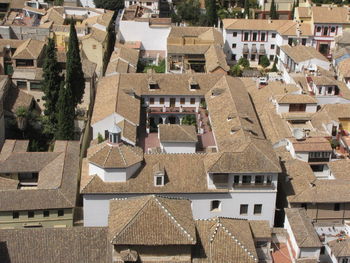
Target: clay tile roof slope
[(302, 228), (30, 49), (177, 133), (340, 248), (117, 156), (224, 240), (314, 144), (72, 244), (215, 58), (295, 98), (151, 220), (302, 53), (260, 229), (330, 15), (344, 68)]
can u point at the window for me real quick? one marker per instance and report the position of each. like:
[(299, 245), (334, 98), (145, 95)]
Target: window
[(193, 100), (234, 45), (323, 250), (345, 260), (317, 167), (319, 90), (159, 180), (233, 57), (332, 29), (247, 179), (303, 41), (30, 214), (60, 212), (290, 41), (245, 56), (220, 178), (153, 86), (329, 90), (325, 31), (151, 100), (215, 206), (272, 46), (243, 210), (304, 205), (297, 107), (182, 100), (255, 36), (336, 207), (46, 213), (272, 57), (24, 62), (130, 2), (161, 100), (318, 29), (252, 57), (234, 34), (94, 47), (149, 3), (263, 36), (259, 179), (194, 86), (269, 179), (273, 35), (22, 84), (246, 36), (257, 209), (35, 85), (15, 215), (236, 179)]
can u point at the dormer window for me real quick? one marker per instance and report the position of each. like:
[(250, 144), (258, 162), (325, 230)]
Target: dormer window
[(194, 86), (159, 180), (153, 86), (216, 92), (159, 175)]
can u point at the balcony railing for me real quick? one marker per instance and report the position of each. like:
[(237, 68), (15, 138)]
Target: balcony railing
[(184, 110), (317, 160), (253, 185)]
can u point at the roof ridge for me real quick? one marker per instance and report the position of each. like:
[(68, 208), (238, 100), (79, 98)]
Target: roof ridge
[(263, 153), (173, 219), (186, 131), (219, 224), (122, 155), (134, 217), (107, 155)]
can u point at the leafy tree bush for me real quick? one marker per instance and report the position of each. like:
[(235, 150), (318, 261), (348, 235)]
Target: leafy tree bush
[(236, 71), (264, 61), (189, 120), (244, 62), (158, 69), (274, 66), (188, 11), (110, 4)]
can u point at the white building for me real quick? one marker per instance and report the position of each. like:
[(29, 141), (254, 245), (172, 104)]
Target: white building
[(151, 4), (303, 239), (236, 176), (139, 24), (253, 38)]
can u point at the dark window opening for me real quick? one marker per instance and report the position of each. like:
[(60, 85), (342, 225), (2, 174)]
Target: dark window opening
[(30, 214), (46, 213), (257, 209), (15, 215), (243, 210), (60, 213)]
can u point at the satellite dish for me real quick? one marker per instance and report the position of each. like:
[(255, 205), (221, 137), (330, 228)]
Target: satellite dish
[(298, 134)]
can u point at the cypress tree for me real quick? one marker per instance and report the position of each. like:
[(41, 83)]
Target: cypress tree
[(246, 9), (211, 12), (297, 3), (65, 114), (51, 85), (273, 10), (293, 10), (74, 71)]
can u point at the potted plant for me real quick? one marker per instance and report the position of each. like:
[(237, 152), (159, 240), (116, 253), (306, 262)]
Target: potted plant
[(22, 118)]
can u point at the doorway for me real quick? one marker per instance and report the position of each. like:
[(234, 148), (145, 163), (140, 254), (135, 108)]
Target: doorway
[(172, 102)]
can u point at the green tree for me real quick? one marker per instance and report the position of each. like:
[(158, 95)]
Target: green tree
[(273, 10), (236, 71), (211, 12), (189, 120), (65, 114), (274, 66), (264, 61), (244, 62), (297, 3), (110, 4), (246, 13), (74, 71), (293, 10), (189, 11), (51, 85)]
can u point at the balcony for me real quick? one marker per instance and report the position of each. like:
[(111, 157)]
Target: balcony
[(171, 110), (245, 49), (248, 186), (262, 51)]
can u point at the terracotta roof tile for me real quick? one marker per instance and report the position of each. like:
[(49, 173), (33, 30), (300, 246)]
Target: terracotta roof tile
[(177, 133)]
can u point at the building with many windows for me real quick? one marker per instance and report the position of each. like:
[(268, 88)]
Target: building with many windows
[(228, 168), (38, 189)]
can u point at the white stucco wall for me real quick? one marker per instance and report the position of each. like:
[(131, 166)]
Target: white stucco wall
[(292, 241), (177, 101), (152, 38), (96, 207), (105, 124), (178, 147), (115, 174), (310, 252)]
